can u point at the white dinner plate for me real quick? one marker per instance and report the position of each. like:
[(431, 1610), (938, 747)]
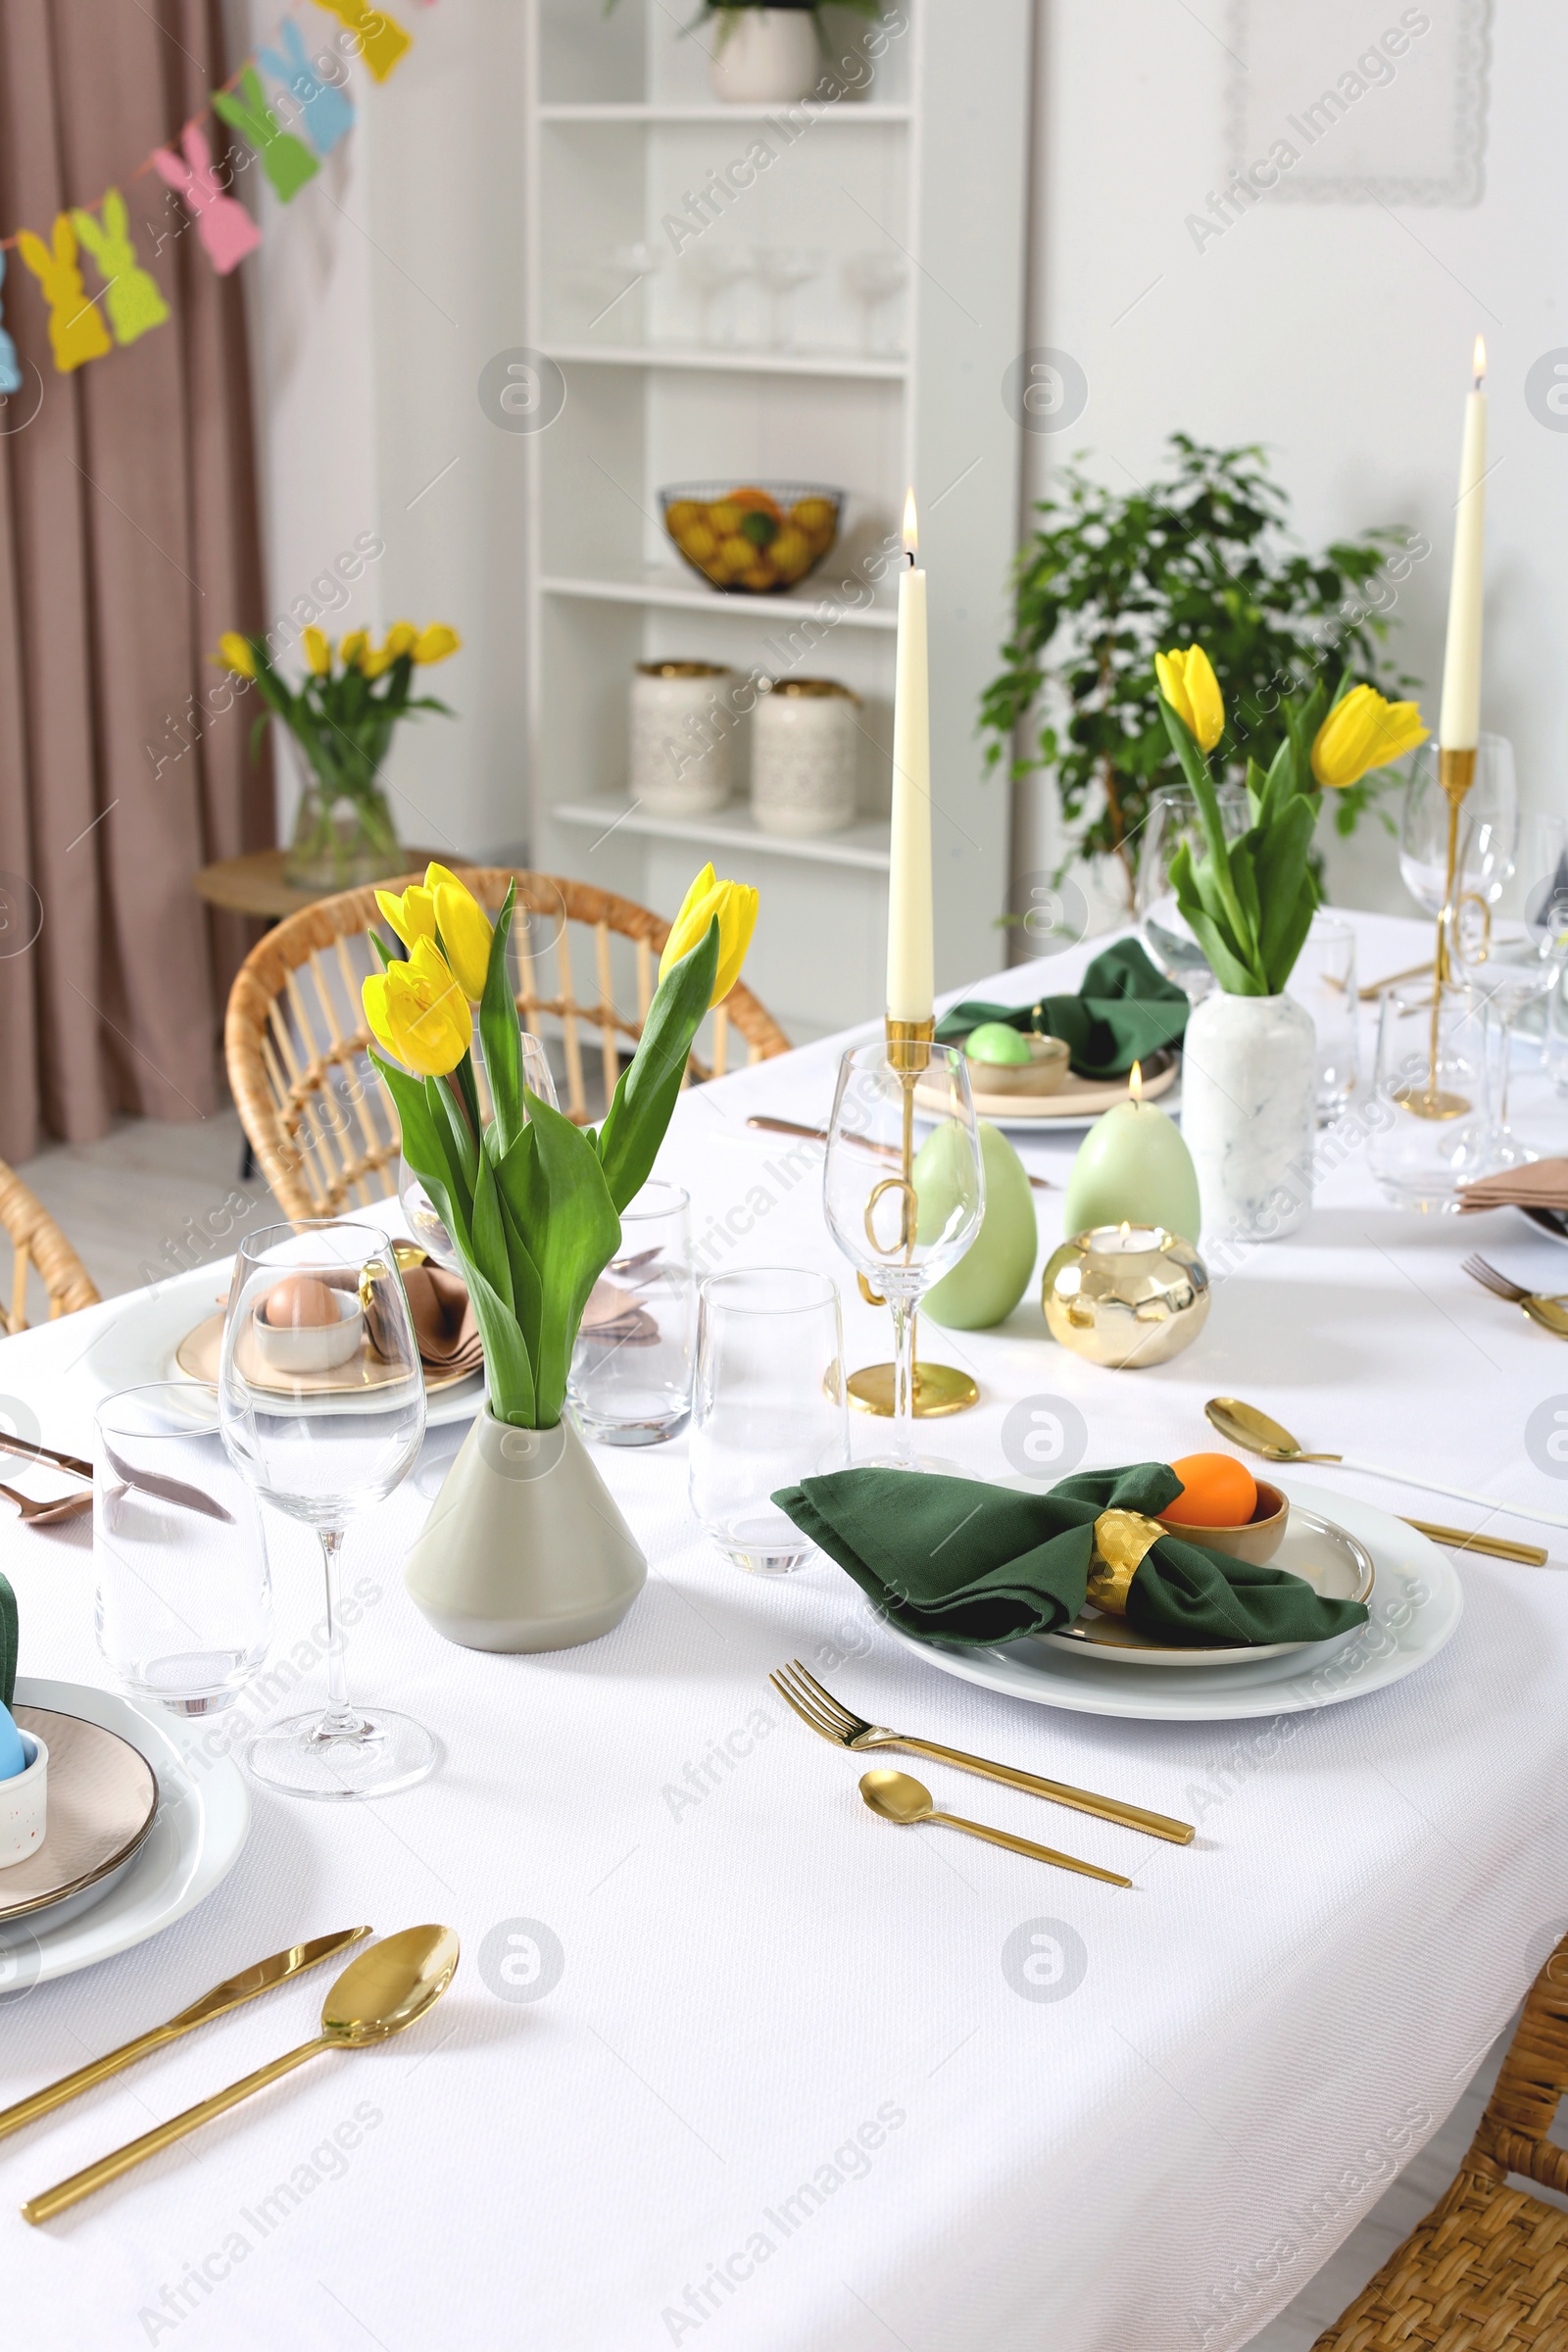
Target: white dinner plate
[(1414, 1608), (1321, 1554), (142, 1344), (1076, 1101), (203, 1819)]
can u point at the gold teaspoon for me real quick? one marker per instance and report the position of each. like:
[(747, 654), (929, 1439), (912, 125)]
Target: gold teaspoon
[(1246, 1427), (386, 1988), (898, 1797)]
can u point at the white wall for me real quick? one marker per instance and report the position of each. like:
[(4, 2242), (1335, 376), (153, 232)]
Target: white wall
[(1338, 333)]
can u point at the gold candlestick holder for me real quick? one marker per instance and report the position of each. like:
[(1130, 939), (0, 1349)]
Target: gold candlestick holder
[(936, 1388)]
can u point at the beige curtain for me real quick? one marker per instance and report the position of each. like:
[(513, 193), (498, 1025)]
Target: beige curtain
[(128, 542)]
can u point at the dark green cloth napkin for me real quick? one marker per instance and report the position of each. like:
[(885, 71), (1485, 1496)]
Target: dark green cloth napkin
[(961, 1561), (1123, 1014), (8, 1642)]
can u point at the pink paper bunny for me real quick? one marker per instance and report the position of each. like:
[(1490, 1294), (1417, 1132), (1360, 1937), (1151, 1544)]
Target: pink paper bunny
[(223, 223)]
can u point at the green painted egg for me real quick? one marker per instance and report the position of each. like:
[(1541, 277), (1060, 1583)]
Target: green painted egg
[(994, 1041), (994, 1273)]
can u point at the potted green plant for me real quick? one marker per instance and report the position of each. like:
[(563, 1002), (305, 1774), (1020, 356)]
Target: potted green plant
[(340, 720), (1249, 1055), (768, 52), (1201, 555), (524, 1548)]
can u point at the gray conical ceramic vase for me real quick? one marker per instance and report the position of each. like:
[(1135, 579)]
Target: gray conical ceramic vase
[(524, 1548)]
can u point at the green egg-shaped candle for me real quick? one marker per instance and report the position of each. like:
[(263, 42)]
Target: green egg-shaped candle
[(994, 1041), (993, 1274), (1133, 1169)]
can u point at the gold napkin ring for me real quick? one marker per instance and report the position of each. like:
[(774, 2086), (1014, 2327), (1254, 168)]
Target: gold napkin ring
[(1120, 1538)]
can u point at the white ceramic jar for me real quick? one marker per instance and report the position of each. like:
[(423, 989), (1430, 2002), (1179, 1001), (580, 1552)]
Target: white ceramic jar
[(803, 737), (1249, 1115), (682, 729), (767, 56)]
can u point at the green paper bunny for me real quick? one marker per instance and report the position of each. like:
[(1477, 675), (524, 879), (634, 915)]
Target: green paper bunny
[(287, 162), (134, 302)]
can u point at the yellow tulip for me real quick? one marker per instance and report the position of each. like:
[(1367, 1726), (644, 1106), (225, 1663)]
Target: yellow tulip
[(1362, 731), (401, 638), (372, 662), (418, 1011), (234, 653), (435, 643), (355, 645), (1188, 682), (465, 928), (412, 917), (318, 653), (735, 906)]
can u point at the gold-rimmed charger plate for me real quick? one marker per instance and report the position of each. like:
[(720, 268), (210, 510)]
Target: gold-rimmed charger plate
[(200, 1351), (1322, 1554), (102, 1797), (1075, 1098)]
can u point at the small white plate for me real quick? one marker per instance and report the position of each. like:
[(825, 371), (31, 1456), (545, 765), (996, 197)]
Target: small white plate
[(1414, 1609), (202, 1822), (142, 1343), (1323, 1555), (1075, 1101)]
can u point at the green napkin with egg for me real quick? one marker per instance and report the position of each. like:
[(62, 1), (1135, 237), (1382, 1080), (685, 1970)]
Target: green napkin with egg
[(1124, 1011), (954, 1559)]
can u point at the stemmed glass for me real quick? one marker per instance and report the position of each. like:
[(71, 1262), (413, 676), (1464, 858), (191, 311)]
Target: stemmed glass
[(903, 1231), (873, 277), (1510, 962), (1173, 819), (1491, 811), (714, 269), (781, 269), (320, 1401), (424, 1224)]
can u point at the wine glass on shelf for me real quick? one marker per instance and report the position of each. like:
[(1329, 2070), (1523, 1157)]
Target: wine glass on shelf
[(783, 270), (424, 1218), (625, 268), (1491, 812), (1511, 960), (873, 277), (902, 1231), (713, 269), (1173, 819), (320, 1401)]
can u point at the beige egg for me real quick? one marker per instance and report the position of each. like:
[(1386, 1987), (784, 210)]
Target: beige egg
[(300, 1302)]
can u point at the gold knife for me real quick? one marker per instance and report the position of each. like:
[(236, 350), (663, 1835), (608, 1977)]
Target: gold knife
[(230, 1994), (1502, 1548)]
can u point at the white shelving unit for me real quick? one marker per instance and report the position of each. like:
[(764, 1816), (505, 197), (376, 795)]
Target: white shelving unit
[(622, 129)]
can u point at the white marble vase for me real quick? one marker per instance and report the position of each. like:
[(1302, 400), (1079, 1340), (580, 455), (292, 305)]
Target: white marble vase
[(1249, 1113)]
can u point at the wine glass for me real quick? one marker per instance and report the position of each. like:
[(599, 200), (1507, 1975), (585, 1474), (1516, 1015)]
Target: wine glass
[(901, 1232), (1173, 819), (1509, 961), (714, 269), (782, 268), (873, 277), (424, 1223), (1490, 807), (320, 1401)]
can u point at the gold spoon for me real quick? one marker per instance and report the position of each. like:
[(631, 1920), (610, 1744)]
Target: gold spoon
[(386, 1988), (52, 1512), (898, 1797), (1246, 1427)]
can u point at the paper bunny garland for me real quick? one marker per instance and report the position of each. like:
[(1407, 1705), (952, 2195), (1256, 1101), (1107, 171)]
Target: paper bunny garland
[(324, 109), (225, 229), (12, 379), (287, 162), (77, 332), (382, 39), (134, 302)]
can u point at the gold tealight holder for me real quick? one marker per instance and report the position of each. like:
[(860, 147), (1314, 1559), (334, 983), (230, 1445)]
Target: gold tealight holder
[(1125, 1296)]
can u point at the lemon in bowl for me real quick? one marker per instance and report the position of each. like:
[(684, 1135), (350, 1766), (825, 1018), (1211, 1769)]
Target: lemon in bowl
[(751, 539)]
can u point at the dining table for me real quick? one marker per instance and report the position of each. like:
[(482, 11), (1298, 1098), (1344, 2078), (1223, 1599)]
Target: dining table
[(730, 2062)]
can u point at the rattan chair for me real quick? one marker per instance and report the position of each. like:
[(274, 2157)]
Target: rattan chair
[(1488, 2267), (318, 1118), (36, 1242)]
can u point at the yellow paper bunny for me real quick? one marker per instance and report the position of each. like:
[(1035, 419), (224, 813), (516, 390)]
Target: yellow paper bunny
[(134, 301), (76, 330)]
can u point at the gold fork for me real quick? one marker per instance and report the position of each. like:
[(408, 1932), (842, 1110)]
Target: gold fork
[(822, 1713), (1544, 1307)]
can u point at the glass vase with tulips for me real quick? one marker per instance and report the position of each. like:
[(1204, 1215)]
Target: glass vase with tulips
[(340, 720)]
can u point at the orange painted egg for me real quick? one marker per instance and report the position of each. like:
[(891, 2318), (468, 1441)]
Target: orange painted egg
[(300, 1302), (1218, 1491)]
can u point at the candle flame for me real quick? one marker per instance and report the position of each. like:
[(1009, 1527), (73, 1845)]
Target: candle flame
[(1125, 1228), (911, 526), (1135, 1082), (1478, 362)]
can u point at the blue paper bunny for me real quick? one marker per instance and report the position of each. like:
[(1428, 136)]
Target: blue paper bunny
[(324, 109), (12, 379)]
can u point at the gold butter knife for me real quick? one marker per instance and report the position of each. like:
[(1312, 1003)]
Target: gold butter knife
[(230, 1994), (1527, 1555)]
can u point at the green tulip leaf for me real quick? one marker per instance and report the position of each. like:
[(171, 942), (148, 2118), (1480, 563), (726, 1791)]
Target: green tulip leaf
[(498, 1027), (645, 1094), (556, 1191)]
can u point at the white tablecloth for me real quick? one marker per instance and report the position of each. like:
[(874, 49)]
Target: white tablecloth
[(728, 2062)]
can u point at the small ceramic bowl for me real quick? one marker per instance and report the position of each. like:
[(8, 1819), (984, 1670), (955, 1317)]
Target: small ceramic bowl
[(1042, 1074), (1258, 1541), (24, 1804), (311, 1347)]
